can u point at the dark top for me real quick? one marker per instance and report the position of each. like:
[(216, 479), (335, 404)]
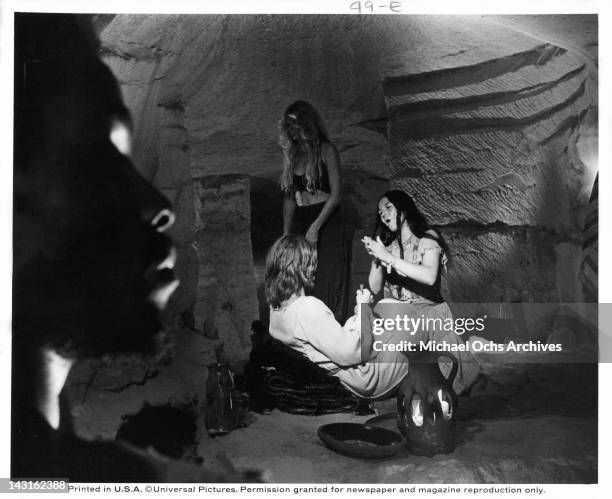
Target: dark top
[(322, 184), (404, 288)]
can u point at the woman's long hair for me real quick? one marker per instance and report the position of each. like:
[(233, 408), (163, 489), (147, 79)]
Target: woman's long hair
[(291, 265), (405, 205), (312, 134)]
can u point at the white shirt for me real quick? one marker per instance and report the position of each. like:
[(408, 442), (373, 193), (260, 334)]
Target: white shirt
[(308, 326)]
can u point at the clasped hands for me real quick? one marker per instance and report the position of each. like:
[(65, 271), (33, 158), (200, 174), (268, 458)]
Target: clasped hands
[(376, 248), (363, 295)]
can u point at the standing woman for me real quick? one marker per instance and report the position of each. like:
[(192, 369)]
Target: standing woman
[(311, 184), (408, 258)]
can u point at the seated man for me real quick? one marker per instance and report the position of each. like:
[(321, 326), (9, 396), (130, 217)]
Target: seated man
[(306, 324), (92, 268)]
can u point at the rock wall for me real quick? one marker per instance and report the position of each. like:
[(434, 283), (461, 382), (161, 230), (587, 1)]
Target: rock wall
[(489, 152), (100, 393), (477, 120), (226, 296)]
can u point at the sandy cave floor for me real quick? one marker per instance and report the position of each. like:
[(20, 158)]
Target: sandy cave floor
[(543, 430)]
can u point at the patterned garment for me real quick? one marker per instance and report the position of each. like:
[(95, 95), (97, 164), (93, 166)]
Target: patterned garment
[(406, 289), (323, 396)]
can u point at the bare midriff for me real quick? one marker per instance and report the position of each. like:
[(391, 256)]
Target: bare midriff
[(305, 198)]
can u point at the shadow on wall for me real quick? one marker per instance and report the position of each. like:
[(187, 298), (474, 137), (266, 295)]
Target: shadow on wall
[(170, 430), (266, 227)]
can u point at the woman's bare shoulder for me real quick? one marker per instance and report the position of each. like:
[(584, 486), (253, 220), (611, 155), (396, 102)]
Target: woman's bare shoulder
[(430, 240)]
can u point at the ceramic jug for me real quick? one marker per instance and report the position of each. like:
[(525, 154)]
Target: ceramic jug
[(426, 405)]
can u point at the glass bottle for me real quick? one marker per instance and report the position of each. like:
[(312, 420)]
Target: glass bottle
[(220, 414)]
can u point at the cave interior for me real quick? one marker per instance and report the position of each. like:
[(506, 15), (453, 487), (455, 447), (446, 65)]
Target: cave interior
[(490, 122)]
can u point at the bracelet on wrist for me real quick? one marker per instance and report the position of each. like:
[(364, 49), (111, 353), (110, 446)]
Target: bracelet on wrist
[(390, 264)]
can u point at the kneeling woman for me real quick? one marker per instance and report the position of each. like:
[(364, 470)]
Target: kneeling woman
[(307, 325), (407, 261)]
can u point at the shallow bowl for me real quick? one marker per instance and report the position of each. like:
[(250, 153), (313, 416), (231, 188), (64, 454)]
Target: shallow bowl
[(360, 440)]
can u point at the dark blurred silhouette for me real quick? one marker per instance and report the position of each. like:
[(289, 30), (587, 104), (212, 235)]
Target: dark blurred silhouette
[(92, 267)]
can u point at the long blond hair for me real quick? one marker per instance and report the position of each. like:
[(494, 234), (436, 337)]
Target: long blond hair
[(312, 135), (291, 265)]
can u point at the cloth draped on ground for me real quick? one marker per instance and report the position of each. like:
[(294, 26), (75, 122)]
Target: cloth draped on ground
[(280, 377), (323, 396), (334, 256)]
